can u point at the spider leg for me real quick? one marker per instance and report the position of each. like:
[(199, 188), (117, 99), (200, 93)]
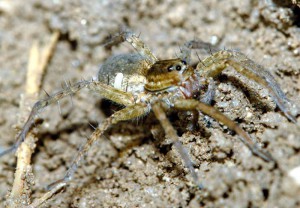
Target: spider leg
[(191, 104), (137, 44), (215, 64), (185, 50), (210, 92), (111, 93), (38, 106), (171, 134), (128, 113), (104, 90)]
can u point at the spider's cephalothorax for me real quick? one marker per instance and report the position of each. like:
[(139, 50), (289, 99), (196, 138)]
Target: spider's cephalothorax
[(165, 74), (168, 75), (142, 83)]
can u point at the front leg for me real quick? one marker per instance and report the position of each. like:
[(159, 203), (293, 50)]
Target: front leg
[(185, 50), (191, 104), (171, 134), (215, 64)]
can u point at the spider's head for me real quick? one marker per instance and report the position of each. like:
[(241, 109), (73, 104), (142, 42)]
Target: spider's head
[(165, 74)]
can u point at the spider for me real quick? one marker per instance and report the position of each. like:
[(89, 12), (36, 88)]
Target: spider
[(142, 83)]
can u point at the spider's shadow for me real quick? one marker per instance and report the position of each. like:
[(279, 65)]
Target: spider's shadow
[(255, 99)]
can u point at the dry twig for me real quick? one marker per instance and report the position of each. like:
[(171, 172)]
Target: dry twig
[(38, 61)]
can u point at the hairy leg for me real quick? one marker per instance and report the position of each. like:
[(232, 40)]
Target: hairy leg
[(137, 44), (171, 134), (111, 93), (185, 50), (128, 113), (210, 92), (104, 90), (215, 64), (191, 104)]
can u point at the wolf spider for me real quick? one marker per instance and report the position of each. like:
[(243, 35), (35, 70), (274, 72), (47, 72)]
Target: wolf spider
[(142, 83)]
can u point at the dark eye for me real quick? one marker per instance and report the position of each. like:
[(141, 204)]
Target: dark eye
[(178, 67), (170, 68), (183, 61)]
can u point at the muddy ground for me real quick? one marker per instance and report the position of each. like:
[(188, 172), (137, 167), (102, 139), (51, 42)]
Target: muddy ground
[(148, 172)]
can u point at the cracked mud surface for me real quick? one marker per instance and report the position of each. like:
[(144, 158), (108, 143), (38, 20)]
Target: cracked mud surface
[(129, 167)]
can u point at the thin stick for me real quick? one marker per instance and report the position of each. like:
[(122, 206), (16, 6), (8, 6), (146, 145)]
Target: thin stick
[(37, 64), (47, 195)]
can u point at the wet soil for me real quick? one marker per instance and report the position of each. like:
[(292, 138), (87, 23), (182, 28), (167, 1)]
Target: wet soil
[(130, 167)]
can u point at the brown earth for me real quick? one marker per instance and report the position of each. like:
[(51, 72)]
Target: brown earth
[(150, 173)]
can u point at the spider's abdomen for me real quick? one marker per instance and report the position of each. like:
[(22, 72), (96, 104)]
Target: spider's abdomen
[(124, 72)]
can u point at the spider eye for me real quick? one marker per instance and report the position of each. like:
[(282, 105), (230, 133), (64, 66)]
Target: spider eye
[(170, 68), (178, 67), (184, 62)]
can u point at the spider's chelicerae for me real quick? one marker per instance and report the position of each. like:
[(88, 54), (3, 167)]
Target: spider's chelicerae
[(142, 83)]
